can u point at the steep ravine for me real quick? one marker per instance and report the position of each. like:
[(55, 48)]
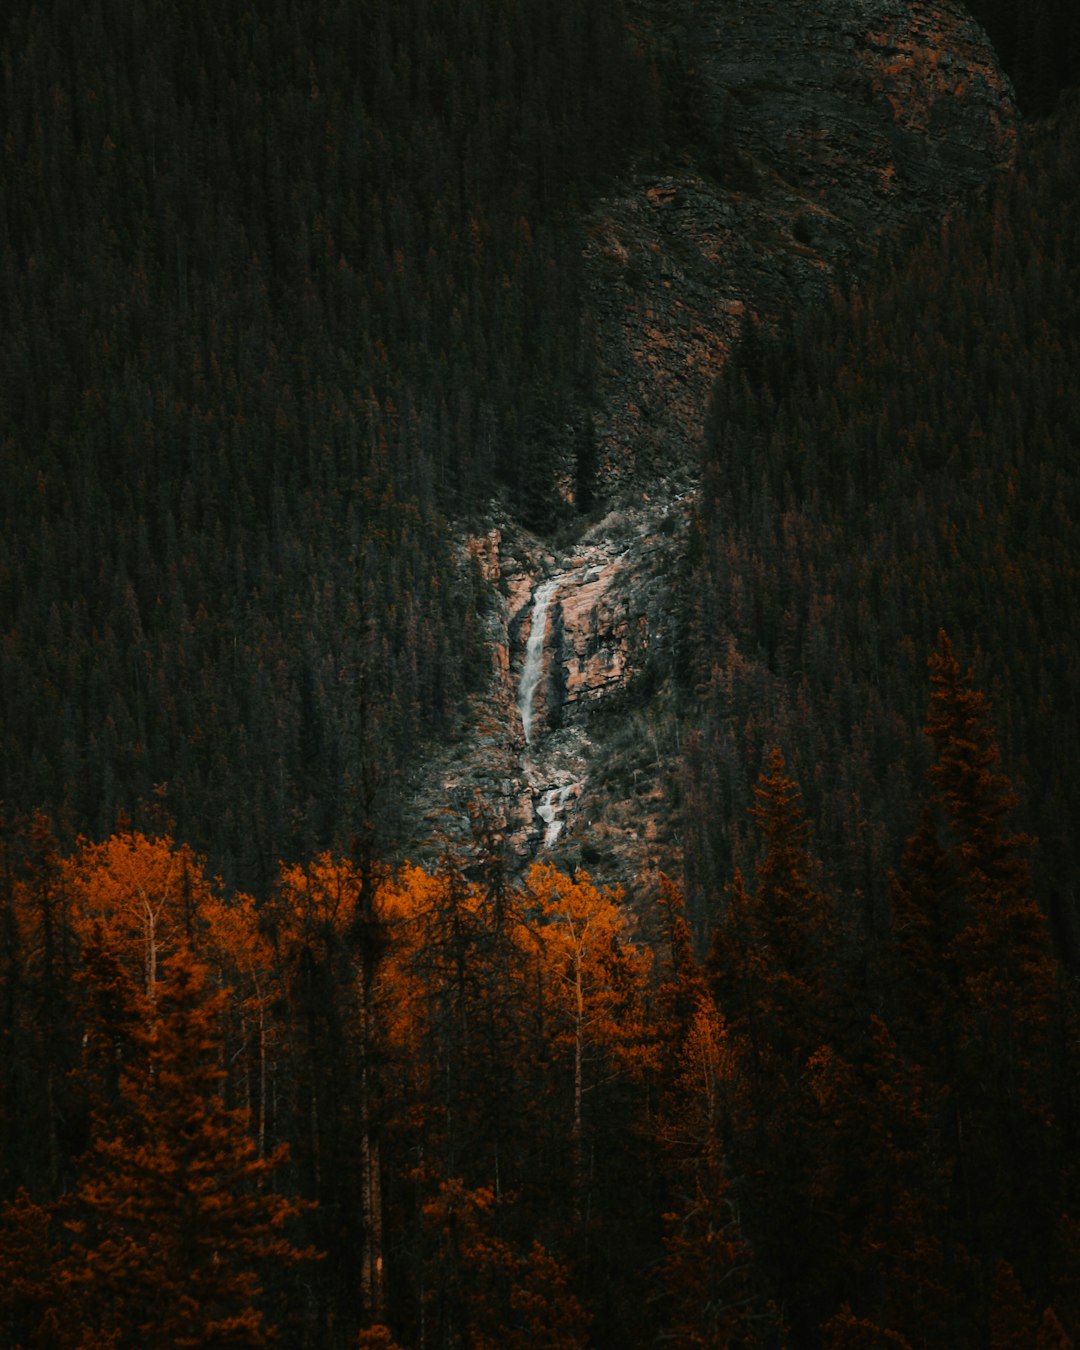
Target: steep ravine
[(571, 631), (836, 132)]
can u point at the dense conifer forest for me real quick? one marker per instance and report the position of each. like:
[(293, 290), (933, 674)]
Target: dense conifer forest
[(900, 460), (290, 292), (282, 288)]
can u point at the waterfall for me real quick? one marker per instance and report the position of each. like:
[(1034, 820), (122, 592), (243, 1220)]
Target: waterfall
[(534, 653), (553, 803)]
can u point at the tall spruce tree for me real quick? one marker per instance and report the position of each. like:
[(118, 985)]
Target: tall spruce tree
[(178, 1238), (982, 1000)]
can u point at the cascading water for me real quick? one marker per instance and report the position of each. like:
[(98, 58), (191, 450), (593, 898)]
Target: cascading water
[(551, 806), (534, 653), (549, 803)]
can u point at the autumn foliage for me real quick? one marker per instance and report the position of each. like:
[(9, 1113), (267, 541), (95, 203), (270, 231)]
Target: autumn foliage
[(434, 1108)]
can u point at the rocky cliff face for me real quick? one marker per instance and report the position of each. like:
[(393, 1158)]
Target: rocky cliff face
[(609, 634), (813, 131), (818, 129)]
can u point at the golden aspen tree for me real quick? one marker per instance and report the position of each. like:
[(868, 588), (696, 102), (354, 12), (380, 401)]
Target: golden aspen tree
[(594, 977), (148, 893)]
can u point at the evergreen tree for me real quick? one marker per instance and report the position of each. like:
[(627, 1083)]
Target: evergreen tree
[(773, 978), (890, 461), (982, 1000), (483, 1293), (178, 1238), (772, 952), (29, 1256)]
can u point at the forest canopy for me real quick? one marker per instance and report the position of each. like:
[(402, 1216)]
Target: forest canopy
[(290, 292), (283, 286), (520, 1115), (901, 459)]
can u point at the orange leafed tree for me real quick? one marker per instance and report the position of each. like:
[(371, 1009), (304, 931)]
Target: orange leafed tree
[(147, 894), (594, 977)]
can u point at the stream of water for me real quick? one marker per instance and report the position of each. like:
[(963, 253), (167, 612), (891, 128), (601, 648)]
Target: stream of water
[(551, 806), (534, 654)]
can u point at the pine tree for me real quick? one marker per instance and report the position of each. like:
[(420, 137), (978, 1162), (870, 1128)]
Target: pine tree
[(924, 914), (771, 973), (771, 953), (682, 985), (483, 1291), (1005, 976), (28, 1255), (38, 1014), (177, 1235), (712, 1289), (980, 1001)]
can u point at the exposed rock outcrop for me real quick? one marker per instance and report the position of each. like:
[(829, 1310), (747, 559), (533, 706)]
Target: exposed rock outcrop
[(605, 615), (813, 130)]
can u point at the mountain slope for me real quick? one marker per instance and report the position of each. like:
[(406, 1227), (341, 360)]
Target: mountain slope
[(793, 150)]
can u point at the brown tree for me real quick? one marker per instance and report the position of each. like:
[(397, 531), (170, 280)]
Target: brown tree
[(28, 1256), (178, 1239), (485, 1292)]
